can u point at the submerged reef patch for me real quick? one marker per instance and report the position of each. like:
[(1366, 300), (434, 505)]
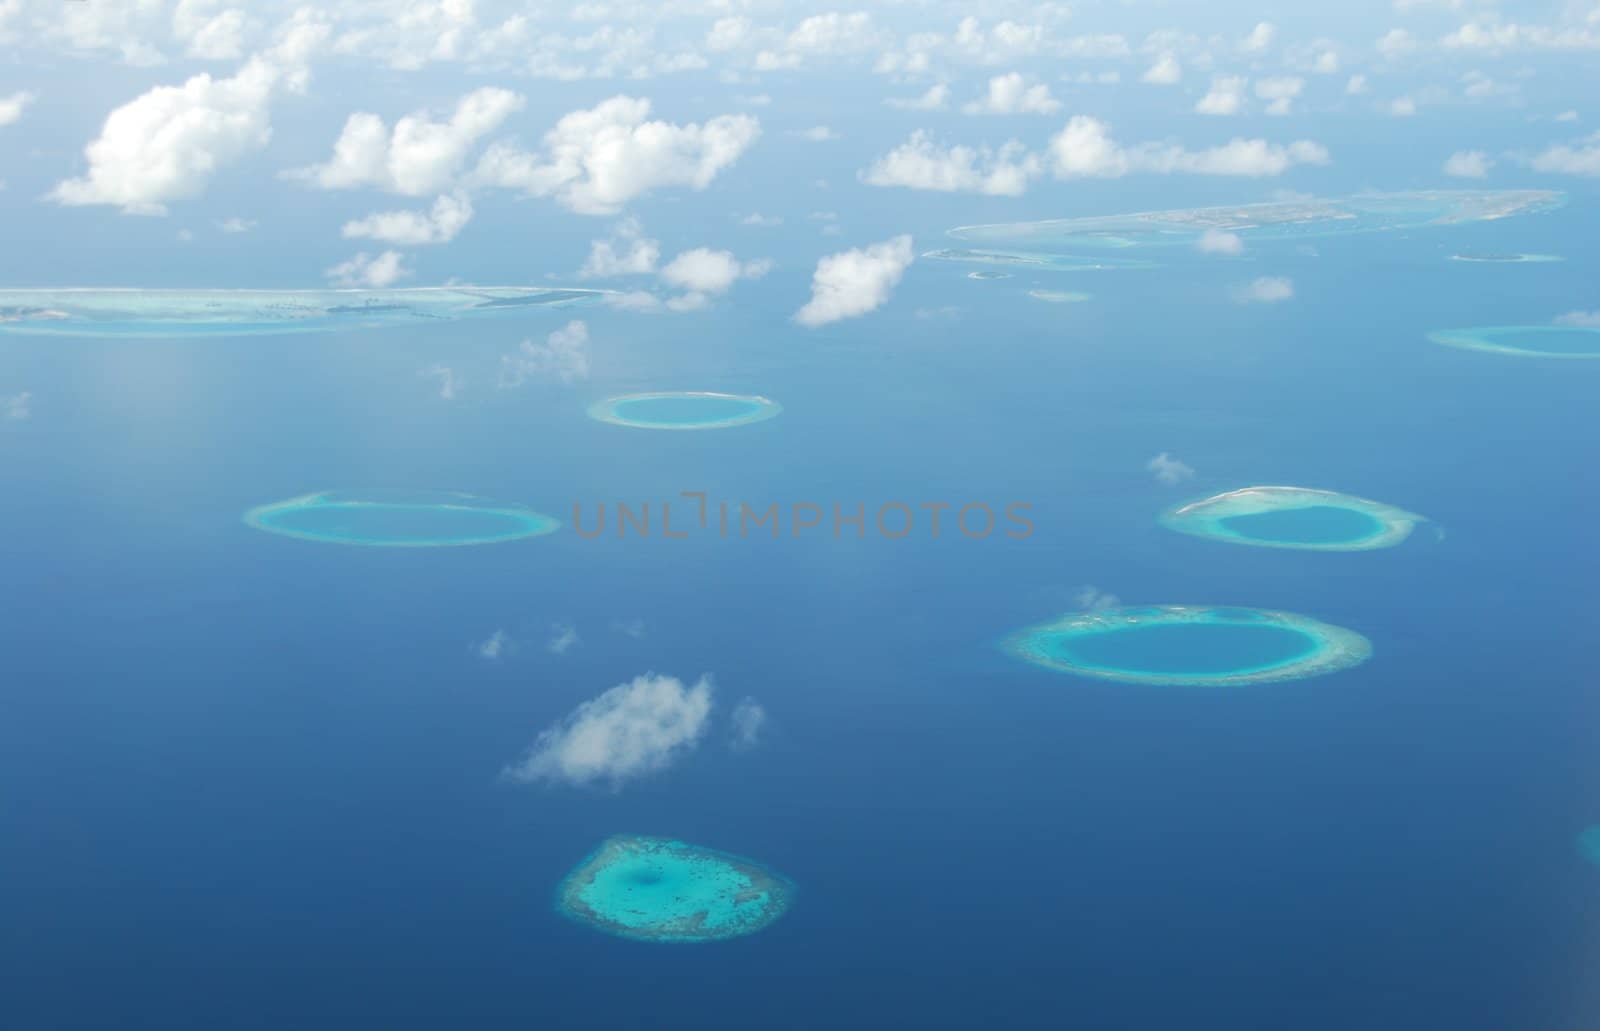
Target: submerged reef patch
[(1293, 517), (1589, 844), (97, 312), (685, 410), (1040, 262), (986, 274), (1276, 220), (1189, 645), (1525, 341), (1060, 296), (661, 890), (399, 519)]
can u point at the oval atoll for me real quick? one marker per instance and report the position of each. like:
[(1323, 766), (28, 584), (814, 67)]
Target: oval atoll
[(1505, 258), (1189, 645), (685, 410), (1294, 517), (1060, 296), (399, 519), (1557, 341), (661, 890)]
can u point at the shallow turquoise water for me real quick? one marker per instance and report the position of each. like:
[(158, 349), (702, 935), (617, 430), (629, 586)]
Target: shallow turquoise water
[(685, 411), (1589, 844), (1315, 524), (1187, 647), (1530, 341), (399, 519)]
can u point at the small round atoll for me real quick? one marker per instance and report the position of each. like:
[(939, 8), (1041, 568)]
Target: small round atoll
[(685, 410), (1510, 258), (1060, 296), (662, 890), (399, 519), (1293, 517), (1189, 645), (1556, 341)]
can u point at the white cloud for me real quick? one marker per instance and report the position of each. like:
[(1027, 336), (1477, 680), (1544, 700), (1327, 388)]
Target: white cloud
[(1571, 318), (1260, 38), (1218, 241), (1356, 86), (1468, 164), (165, 145), (563, 356), (760, 221), (367, 271), (1085, 149), (706, 271), (449, 383), (236, 224), (597, 160), (450, 213), (629, 627), (633, 729), (746, 724), (1564, 159), (1010, 94), (1403, 107), (1486, 35), (1225, 97), (1169, 470), (1396, 43), (933, 100), (855, 282), (418, 156), (563, 638), (11, 107), (17, 407), (1326, 63), (210, 34), (1265, 290), (1165, 72), (627, 252), (494, 646), (816, 134), (921, 164), (1091, 598), (1280, 92)]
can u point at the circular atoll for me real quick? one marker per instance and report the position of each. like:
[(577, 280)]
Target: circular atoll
[(1589, 844), (1558, 341), (399, 519), (985, 274), (1189, 645), (685, 410), (661, 890), (1294, 517)]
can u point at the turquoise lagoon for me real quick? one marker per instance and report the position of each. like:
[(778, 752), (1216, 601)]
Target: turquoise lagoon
[(399, 519), (1525, 341), (685, 410), (1293, 517), (133, 312), (1189, 645), (1275, 220), (662, 890)]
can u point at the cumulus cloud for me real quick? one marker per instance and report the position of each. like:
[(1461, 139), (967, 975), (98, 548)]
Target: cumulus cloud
[(1265, 290), (1225, 97), (236, 224), (1396, 43), (597, 160), (1218, 241), (627, 252), (1356, 86), (1085, 149), (747, 722), (921, 164), (494, 647), (935, 99), (1403, 107), (1571, 318), (364, 270), (450, 213), (1091, 598), (165, 145), (208, 33), (450, 384), (1169, 470), (563, 638), (1280, 92), (419, 155), (1468, 164), (816, 134), (563, 356), (855, 282), (1165, 72), (1260, 38), (17, 407), (11, 107), (1565, 159), (1011, 94), (634, 729), (702, 272), (760, 221)]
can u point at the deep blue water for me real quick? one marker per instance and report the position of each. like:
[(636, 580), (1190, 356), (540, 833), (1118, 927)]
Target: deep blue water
[(252, 782)]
